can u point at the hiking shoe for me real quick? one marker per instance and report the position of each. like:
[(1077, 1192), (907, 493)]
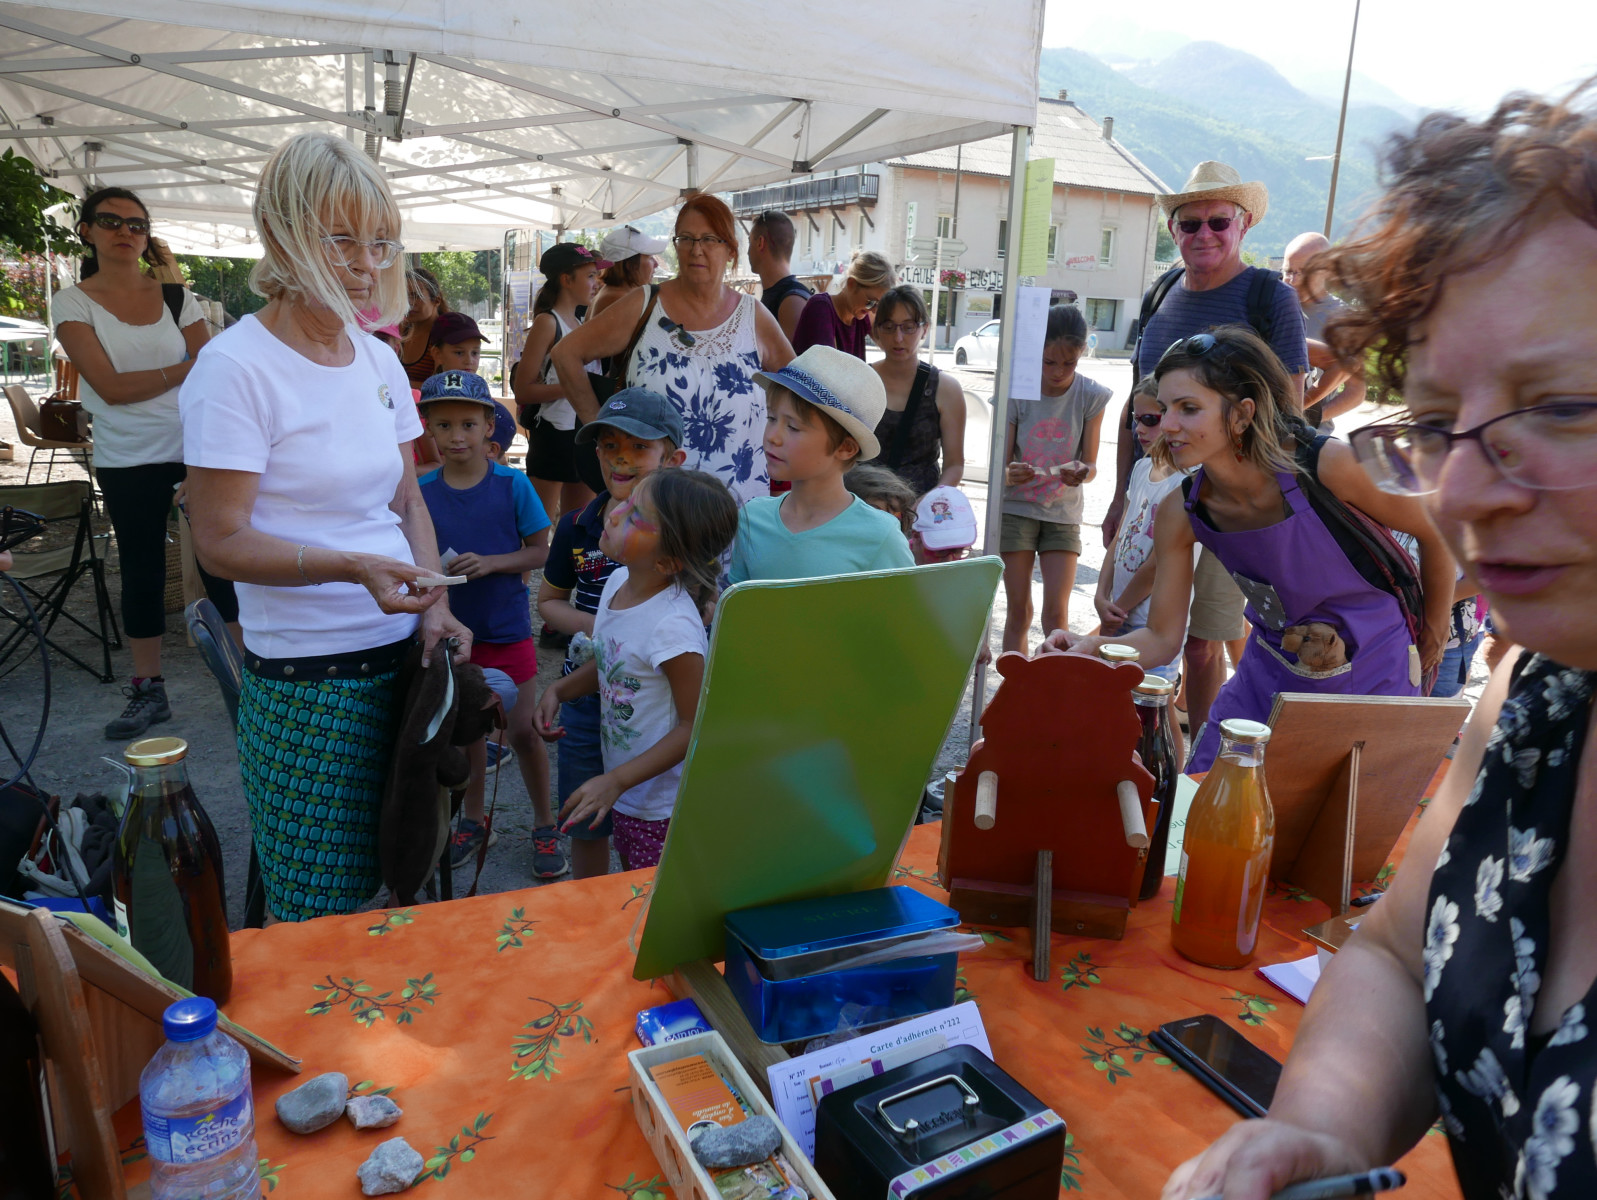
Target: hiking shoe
[(498, 756), (548, 860), (467, 839), (147, 705)]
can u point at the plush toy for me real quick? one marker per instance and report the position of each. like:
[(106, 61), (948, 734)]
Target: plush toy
[(1316, 644), (444, 708)]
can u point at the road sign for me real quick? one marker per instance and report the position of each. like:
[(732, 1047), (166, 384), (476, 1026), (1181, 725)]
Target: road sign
[(925, 247)]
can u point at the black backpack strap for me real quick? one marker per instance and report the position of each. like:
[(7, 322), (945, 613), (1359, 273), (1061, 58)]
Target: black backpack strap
[(172, 293), (925, 381), (1261, 303), (1151, 300)]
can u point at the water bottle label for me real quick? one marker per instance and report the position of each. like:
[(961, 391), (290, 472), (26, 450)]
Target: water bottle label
[(184, 1140), (1181, 884), (121, 917)]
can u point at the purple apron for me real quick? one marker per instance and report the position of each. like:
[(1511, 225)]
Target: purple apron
[(1292, 573)]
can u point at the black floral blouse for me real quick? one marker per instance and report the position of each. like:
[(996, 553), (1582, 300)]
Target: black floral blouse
[(1518, 1109)]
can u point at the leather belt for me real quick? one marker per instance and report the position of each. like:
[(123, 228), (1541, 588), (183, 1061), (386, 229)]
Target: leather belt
[(357, 664)]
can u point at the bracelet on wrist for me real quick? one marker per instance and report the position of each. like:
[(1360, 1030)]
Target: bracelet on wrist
[(299, 561)]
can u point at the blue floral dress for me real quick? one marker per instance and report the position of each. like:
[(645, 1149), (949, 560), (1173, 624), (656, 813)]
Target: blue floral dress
[(1517, 1107), (711, 382)]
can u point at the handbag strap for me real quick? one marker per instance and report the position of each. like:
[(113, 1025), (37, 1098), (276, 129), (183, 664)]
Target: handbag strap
[(926, 377), (618, 369)]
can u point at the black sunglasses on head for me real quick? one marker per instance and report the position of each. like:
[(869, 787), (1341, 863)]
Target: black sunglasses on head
[(138, 225), (1218, 224)]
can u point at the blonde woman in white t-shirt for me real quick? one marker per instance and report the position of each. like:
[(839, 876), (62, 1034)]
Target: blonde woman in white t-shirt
[(297, 429), (132, 352)]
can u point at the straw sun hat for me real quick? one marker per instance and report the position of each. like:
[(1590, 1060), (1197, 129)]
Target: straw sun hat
[(1217, 181), (847, 390)]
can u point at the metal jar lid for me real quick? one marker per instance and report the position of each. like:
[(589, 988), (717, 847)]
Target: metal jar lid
[(1239, 730), (1116, 653), (156, 751), (1154, 685)]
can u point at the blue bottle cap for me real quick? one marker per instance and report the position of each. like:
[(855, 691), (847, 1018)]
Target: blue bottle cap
[(189, 1020)]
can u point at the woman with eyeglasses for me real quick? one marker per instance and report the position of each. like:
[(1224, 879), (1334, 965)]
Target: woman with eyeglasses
[(297, 428), (925, 414), (1469, 993), (696, 340), (1230, 419), (842, 319), (133, 343)]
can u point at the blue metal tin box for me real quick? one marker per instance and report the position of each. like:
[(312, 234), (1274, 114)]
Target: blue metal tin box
[(779, 960)]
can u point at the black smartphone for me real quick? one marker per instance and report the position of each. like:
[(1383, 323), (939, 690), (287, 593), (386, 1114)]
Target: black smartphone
[(1226, 1062)]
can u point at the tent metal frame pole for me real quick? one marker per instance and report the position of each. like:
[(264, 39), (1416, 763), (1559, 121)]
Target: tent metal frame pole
[(1019, 149)]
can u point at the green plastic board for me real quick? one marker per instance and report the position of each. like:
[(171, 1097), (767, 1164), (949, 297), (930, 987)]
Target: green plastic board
[(825, 704)]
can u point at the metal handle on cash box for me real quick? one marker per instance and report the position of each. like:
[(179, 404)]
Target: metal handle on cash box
[(910, 1129)]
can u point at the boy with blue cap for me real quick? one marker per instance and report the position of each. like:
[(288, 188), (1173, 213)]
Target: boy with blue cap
[(491, 528)]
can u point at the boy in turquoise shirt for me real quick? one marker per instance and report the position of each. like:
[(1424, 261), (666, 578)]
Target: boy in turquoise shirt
[(822, 410)]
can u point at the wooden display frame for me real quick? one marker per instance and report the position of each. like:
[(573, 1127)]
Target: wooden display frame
[(1344, 775), (665, 1134)]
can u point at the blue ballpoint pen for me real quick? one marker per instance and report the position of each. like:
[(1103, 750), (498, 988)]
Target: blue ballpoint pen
[(1365, 1183)]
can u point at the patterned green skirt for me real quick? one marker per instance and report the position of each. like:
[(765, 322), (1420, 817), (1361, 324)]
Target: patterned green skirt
[(313, 757)]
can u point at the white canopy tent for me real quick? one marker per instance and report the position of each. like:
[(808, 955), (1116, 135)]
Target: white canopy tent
[(489, 117)]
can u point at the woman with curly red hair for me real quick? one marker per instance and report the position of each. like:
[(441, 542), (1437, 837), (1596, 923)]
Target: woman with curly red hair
[(1470, 992)]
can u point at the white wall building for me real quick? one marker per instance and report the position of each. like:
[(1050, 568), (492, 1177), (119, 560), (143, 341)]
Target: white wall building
[(1101, 237)]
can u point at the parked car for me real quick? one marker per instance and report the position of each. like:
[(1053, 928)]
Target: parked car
[(979, 349)]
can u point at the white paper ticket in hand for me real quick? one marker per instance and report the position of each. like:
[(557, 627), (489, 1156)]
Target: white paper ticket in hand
[(798, 1084), (427, 581)]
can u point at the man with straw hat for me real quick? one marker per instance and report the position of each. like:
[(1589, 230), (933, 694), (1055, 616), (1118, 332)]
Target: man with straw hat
[(1213, 286)]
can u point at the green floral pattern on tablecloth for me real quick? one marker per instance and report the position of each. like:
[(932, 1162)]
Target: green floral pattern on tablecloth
[(536, 1051), (1254, 1008), (1070, 1174), (389, 921), (1081, 972), (510, 933), (462, 1149), (1114, 1054), (653, 1188), (369, 1007)]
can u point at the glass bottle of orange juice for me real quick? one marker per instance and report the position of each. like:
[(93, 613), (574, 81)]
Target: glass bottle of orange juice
[(1225, 853)]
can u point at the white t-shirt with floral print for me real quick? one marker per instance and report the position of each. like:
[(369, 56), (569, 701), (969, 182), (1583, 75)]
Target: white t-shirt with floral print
[(636, 709)]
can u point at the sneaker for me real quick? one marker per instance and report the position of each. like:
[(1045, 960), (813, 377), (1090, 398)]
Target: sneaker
[(147, 705), (498, 756), (467, 839), (548, 860)]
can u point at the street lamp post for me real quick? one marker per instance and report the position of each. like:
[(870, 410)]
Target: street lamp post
[(1341, 123)]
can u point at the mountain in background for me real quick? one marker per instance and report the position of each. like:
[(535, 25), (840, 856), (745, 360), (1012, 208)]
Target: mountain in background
[(1203, 100)]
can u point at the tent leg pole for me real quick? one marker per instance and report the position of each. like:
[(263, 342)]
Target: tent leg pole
[(1021, 145)]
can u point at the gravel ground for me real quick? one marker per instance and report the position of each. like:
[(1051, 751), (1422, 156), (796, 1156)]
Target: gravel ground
[(70, 758)]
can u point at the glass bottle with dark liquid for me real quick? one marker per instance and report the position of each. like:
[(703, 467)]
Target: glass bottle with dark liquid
[(170, 897), (1156, 748), (26, 1165)]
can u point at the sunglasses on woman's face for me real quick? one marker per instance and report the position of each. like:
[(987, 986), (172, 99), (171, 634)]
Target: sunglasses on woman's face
[(1150, 420), (136, 225), (1218, 224)]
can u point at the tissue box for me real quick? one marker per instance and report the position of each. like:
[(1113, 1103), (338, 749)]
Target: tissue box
[(781, 960), (950, 1126)]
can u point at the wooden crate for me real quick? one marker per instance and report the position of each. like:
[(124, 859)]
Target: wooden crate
[(665, 1134)]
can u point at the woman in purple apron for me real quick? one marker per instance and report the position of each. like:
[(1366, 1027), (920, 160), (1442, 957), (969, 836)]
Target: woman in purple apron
[(1318, 625)]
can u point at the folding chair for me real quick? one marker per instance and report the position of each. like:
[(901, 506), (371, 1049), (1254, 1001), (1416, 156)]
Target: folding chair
[(26, 415), (59, 502), (222, 656)]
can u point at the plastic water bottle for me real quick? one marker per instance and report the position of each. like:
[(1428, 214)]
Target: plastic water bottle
[(199, 1118)]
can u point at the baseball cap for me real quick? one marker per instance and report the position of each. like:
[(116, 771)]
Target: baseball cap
[(626, 242), (637, 411), (945, 520), (451, 328), (504, 426), (565, 257), (464, 386), (368, 321)]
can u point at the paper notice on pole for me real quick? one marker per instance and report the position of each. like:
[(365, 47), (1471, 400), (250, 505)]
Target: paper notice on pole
[(1025, 355), (798, 1084), (1038, 215)]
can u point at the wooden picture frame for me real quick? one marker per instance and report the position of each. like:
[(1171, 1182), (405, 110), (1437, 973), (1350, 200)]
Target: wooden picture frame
[(1344, 775)]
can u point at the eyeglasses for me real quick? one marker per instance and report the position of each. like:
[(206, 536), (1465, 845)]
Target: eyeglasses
[(1218, 224), (1196, 346), (870, 305), (136, 225), (888, 329), (679, 334), (1149, 420), (344, 250), (1549, 448), (685, 242)]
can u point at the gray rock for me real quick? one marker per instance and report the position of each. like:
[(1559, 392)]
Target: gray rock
[(749, 1141), (314, 1105), (393, 1167), (372, 1112)]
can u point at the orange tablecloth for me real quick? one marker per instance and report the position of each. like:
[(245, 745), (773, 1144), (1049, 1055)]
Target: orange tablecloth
[(502, 1023)]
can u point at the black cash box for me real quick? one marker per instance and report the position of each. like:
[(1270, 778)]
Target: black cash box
[(950, 1126)]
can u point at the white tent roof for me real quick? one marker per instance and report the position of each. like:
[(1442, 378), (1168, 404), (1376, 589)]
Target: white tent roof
[(499, 115)]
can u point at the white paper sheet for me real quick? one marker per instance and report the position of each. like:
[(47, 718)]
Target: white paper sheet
[(1031, 326), (1296, 979), (795, 1084)]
